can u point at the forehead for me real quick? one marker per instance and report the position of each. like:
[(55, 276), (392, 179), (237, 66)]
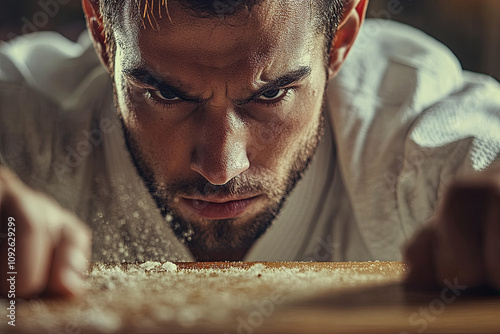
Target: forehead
[(270, 35)]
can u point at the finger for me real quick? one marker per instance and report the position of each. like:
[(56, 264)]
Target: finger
[(419, 257), (33, 245), (70, 259), (461, 219), (41, 241)]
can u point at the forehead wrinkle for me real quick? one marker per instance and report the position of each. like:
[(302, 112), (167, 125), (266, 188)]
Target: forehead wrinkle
[(275, 20), (248, 59)]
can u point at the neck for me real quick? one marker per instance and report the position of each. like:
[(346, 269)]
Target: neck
[(219, 256)]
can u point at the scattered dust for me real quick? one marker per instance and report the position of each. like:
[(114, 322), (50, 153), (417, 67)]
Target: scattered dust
[(153, 296)]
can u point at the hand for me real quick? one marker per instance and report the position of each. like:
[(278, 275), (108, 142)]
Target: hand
[(52, 246), (462, 242)]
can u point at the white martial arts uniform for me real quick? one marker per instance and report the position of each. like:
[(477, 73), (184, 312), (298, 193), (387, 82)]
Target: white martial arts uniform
[(403, 119)]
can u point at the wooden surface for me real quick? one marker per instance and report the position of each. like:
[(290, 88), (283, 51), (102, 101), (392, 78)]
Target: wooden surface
[(267, 297)]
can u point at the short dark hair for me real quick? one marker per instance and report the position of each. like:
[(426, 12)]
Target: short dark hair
[(328, 13)]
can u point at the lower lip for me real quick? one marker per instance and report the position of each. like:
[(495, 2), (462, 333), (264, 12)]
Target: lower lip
[(212, 210)]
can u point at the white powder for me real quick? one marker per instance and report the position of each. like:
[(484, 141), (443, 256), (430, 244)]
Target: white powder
[(148, 265), (152, 296), (105, 321), (158, 266), (256, 269), (169, 266)]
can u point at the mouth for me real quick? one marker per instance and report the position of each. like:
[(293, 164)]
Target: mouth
[(218, 208)]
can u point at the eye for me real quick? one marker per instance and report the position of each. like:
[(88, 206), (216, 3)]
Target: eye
[(163, 95), (273, 95)]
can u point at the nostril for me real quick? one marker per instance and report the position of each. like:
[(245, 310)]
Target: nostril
[(220, 171), (219, 178), (214, 176)]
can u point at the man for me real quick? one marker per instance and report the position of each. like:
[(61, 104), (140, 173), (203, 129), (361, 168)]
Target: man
[(234, 112)]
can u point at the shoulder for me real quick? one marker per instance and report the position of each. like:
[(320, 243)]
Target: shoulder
[(48, 63), (406, 118), (51, 89), (48, 75), (469, 114), (394, 63), (401, 84)]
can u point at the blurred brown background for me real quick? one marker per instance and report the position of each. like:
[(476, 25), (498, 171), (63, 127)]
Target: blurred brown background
[(25, 16), (470, 28)]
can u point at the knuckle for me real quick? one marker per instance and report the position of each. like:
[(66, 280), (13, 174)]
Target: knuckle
[(77, 231), (30, 226), (85, 232)]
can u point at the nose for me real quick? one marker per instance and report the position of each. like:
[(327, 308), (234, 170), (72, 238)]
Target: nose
[(220, 151)]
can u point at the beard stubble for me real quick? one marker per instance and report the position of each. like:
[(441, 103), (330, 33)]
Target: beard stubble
[(221, 235)]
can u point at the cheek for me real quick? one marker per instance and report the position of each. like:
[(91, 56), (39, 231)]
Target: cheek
[(276, 144)]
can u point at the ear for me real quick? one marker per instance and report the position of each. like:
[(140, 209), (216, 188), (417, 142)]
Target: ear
[(347, 31), (96, 29)]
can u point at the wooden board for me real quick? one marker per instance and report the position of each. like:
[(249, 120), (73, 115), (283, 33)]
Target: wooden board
[(266, 297)]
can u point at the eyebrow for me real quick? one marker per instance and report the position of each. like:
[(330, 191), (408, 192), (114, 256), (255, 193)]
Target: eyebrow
[(145, 77), (285, 80)]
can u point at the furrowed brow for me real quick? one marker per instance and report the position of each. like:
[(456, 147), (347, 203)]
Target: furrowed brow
[(283, 81), (145, 77)]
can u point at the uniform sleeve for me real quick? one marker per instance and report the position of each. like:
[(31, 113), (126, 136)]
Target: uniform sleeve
[(407, 119), (47, 96), (457, 136), (27, 131)]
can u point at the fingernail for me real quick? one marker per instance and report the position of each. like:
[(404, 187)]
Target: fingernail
[(73, 281), (77, 260)]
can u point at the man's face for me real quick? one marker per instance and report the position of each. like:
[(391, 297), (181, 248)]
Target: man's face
[(221, 116)]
